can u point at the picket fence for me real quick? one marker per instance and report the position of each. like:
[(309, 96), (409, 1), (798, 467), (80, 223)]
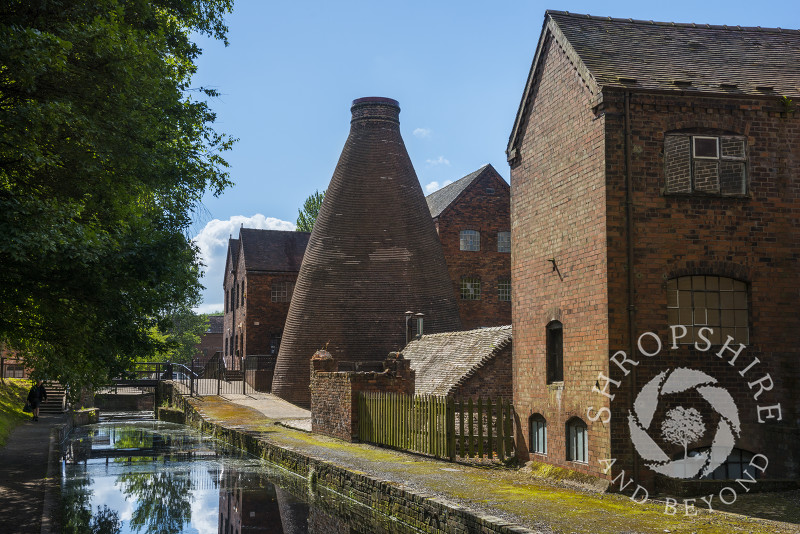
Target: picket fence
[(439, 426)]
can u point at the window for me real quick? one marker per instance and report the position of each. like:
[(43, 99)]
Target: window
[(503, 241), (735, 466), (282, 291), (241, 303), (470, 288), (714, 302), (705, 164), (577, 441), (555, 353), (227, 293), (274, 343), (226, 346), (537, 426), (470, 240), (504, 290)]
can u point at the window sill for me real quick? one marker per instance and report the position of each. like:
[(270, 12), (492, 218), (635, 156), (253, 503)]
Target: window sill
[(555, 386), (700, 194)]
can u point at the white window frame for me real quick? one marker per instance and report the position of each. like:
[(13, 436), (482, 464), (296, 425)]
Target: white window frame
[(694, 146)]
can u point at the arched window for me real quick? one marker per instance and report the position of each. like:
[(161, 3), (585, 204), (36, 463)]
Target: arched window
[(537, 426), (577, 441), (470, 240), (714, 302), (555, 352)]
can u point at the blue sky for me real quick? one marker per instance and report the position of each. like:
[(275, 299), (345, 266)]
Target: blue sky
[(458, 69)]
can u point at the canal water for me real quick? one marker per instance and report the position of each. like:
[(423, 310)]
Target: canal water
[(133, 474)]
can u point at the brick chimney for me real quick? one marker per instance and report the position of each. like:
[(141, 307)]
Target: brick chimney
[(373, 254)]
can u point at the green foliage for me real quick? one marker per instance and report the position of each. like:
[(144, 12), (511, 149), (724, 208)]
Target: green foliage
[(13, 393), (177, 341), (308, 215), (104, 157)]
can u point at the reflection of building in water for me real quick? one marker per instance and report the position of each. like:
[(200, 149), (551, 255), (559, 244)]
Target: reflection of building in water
[(249, 503)]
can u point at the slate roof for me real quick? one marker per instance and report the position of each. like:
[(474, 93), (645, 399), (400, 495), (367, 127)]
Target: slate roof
[(657, 54), (439, 200), (215, 324), (445, 361), (273, 250), (668, 56)]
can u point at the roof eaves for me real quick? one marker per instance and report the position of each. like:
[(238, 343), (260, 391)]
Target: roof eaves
[(549, 27), (482, 363)]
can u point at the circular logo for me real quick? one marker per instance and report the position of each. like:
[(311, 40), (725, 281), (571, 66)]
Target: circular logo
[(683, 426)]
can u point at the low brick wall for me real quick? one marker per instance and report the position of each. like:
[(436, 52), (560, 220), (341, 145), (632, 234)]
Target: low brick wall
[(85, 417), (334, 394), (420, 511)]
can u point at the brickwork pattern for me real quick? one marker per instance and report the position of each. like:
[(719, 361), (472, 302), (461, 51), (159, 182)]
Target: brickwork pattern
[(558, 213), (492, 380), (488, 213)]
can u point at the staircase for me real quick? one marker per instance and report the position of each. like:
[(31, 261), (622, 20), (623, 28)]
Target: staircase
[(56, 399)]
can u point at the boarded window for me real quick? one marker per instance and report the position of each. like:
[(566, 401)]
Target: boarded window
[(715, 165)]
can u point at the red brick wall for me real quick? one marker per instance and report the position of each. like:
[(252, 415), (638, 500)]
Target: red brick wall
[(210, 343), (260, 309), (753, 238), (492, 380), (489, 214), (558, 212)]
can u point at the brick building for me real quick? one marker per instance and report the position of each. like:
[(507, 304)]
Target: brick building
[(260, 272), (468, 363), (211, 341), (473, 222), (656, 189)]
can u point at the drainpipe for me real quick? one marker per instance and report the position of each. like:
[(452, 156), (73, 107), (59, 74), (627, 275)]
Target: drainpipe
[(629, 256)]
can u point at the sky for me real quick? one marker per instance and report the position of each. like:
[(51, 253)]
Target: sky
[(458, 69)]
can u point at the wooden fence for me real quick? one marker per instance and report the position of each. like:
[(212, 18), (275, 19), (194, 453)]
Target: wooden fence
[(439, 426)]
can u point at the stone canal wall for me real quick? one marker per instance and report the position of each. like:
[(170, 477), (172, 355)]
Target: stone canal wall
[(425, 513)]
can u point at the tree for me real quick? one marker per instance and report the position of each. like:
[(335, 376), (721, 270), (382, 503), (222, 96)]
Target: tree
[(308, 215), (105, 153), (682, 427)]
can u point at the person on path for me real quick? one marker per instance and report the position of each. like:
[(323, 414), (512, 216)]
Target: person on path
[(36, 396)]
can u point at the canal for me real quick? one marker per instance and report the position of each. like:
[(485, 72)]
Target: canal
[(133, 474)]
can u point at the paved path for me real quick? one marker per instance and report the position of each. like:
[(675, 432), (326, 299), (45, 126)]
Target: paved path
[(23, 475), (275, 408)]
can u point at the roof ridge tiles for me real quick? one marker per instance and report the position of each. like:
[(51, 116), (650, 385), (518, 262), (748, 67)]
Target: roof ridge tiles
[(669, 23)]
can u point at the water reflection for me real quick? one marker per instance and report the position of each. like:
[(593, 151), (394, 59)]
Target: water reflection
[(146, 476)]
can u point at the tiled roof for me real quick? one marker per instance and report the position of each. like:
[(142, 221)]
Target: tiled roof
[(215, 324), (273, 250), (444, 361), (668, 56), (439, 200), (691, 57)]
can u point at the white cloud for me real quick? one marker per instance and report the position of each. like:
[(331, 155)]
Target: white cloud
[(422, 133), (213, 244), (433, 186), (441, 160)]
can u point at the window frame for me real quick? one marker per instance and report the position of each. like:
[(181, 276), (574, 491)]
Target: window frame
[(694, 146), (537, 439), (504, 233), (714, 302), (474, 240), (501, 291), (281, 291), (475, 292), (720, 158), (577, 440), (554, 357)]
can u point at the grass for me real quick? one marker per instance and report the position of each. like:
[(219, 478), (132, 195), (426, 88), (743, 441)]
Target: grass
[(13, 392)]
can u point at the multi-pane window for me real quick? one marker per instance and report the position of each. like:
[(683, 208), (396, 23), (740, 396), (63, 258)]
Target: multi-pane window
[(555, 352), (577, 441), (470, 288), (470, 240), (503, 241), (538, 430), (714, 302), (705, 164), (282, 291), (504, 290), (735, 466)]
